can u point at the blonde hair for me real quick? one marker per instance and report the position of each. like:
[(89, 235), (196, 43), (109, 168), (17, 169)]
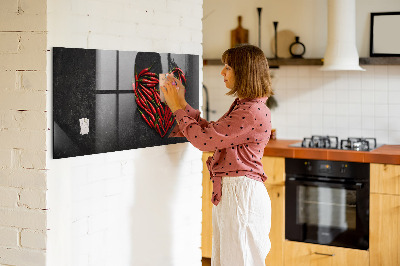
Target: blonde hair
[(250, 66)]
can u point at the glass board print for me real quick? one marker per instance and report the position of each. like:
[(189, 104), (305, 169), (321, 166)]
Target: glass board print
[(109, 100)]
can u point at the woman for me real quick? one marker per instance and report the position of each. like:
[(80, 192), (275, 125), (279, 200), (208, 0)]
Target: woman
[(242, 208)]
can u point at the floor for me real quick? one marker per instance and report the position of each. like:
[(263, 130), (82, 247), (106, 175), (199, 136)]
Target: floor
[(206, 261)]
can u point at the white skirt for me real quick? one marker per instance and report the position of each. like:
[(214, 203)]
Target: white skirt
[(241, 223)]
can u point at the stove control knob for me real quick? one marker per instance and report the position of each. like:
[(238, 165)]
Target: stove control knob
[(308, 166), (343, 168)]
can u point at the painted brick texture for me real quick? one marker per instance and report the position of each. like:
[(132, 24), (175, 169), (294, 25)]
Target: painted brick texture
[(23, 218), (137, 207)]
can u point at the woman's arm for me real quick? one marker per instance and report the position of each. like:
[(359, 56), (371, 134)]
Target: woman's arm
[(175, 99), (237, 128)]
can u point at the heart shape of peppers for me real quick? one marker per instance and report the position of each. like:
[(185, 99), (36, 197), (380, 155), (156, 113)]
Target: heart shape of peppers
[(147, 96)]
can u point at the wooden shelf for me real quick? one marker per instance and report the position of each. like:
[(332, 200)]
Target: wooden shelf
[(380, 61), (274, 63)]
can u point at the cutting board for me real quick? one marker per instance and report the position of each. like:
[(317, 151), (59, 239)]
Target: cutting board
[(239, 35)]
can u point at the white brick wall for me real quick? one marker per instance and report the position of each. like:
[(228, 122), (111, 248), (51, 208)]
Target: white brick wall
[(23, 218), (137, 207)]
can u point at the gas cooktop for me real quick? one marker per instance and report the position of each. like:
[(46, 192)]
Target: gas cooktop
[(332, 142)]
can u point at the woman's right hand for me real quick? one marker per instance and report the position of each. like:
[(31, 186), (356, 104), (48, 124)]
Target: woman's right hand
[(181, 91)]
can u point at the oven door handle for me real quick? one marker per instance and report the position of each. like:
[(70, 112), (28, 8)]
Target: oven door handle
[(357, 185)]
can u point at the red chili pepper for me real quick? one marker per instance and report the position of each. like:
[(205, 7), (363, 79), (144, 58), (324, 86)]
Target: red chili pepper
[(159, 112), (140, 94), (145, 104), (150, 114), (184, 79), (145, 119), (144, 92), (152, 108), (170, 123), (151, 78), (148, 91), (144, 71), (158, 129), (178, 69), (167, 110), (157, 97), (168, 116), (143, 101), (150, 85), (151, 74), (148, 81), (139, 103), (148, 96), (159, 121)]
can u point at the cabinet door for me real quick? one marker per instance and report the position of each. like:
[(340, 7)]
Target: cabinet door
[(206, 232), (385, 178), (274, 168), (305, 254), (277, 233), (384, 229)]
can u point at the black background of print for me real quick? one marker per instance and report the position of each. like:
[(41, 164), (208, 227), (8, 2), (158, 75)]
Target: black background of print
[(97, 84)]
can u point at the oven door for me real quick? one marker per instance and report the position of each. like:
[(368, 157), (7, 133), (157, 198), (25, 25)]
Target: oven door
[(327, 213)]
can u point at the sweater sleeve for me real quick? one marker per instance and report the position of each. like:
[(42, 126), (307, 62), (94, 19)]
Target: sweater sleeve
[(193, 113), (231, 130)]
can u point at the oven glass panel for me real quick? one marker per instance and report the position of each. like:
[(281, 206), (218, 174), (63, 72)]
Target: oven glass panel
[(326, 207)]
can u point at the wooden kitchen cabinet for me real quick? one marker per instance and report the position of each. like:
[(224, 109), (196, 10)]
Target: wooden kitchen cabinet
[(385, 215), (385, 178), (277, 233), (206, 225), (306, 254), (274, 168)]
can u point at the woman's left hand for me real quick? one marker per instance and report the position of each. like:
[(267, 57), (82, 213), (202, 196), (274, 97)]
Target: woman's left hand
[(171, 95)]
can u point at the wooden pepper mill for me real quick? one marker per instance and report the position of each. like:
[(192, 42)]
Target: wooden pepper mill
[(239, 35)]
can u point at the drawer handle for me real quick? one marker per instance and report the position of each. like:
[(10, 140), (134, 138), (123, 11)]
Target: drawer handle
[(325, 254)]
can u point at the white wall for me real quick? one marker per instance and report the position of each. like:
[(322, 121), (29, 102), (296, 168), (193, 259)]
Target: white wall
[(305, 18), (23, 133), (311, 102), (136, 207)]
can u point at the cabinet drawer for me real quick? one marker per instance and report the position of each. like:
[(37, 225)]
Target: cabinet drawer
[(384, 236), (298, 253), (385, 178)]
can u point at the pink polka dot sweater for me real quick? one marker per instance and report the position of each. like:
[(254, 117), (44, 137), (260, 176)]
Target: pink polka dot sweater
[(238, 139)]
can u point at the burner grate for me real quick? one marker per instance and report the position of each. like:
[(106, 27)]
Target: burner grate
[(358, 144), (332, 142), (327, 142)]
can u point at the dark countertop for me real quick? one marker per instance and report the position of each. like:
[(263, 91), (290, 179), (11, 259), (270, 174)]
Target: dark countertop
[(389, 154)]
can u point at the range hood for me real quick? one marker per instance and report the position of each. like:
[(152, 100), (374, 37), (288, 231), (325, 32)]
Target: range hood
[(341, 51)]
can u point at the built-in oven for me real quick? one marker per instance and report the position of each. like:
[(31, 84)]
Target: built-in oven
[(327, 202)]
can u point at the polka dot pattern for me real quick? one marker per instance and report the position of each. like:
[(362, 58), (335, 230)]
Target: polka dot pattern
[(238, 139)]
